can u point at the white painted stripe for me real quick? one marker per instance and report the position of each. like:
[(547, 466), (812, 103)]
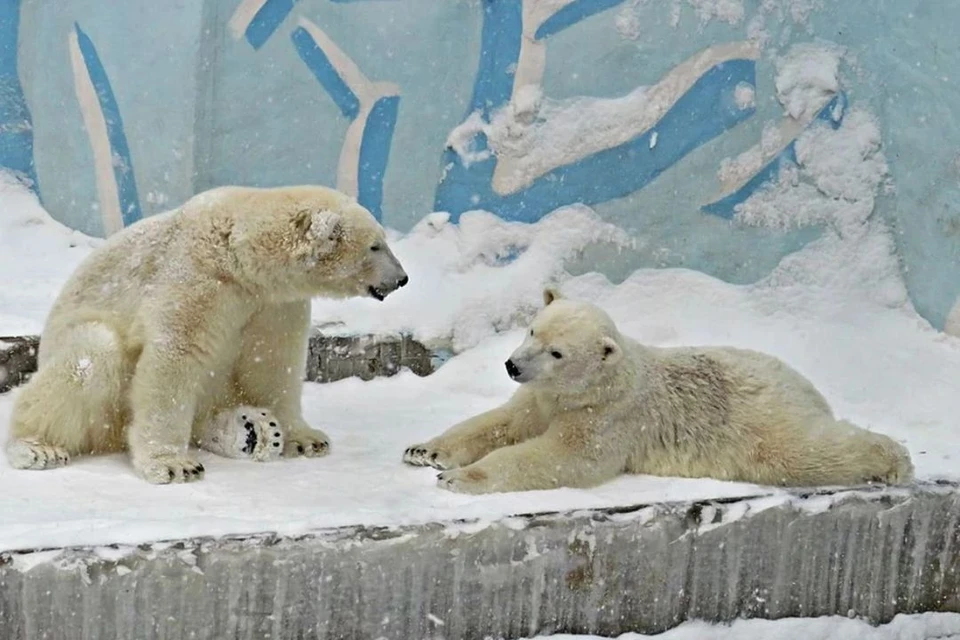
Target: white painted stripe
[(533, 52), (367, 92), (243, 16), (348, 166), (952, 325), (514, 172), (536, 12), (346, 68), (96, 126)]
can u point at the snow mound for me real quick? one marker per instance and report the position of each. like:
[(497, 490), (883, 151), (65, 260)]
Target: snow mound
[(471, 280)]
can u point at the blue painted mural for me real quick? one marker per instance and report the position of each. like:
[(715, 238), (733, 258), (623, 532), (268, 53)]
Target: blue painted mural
[(108, 112), (16, 127), (414, 106)]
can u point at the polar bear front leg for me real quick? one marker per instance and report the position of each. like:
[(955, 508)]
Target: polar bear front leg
[(244, 432), (271, 369), (515, 421), (163, 397), (553, 460)]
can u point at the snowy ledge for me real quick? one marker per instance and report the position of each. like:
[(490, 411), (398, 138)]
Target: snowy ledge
[(871, 553)]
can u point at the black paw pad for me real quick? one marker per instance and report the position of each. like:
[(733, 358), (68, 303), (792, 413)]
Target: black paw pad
[(251, 441)]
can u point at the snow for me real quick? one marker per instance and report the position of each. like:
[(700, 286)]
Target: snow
[(729, 11), (99, 500), (533, 134), (837, 311), (921, 626), (475, 278), (839, 174), (37, 254), (758, 16), (744, 96), (807, 76)]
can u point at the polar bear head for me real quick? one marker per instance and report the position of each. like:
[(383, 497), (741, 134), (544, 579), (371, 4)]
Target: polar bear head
[(309, 241), (568, 346)]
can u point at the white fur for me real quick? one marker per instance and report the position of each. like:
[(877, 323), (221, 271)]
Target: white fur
[(594, 404), (191, 313)]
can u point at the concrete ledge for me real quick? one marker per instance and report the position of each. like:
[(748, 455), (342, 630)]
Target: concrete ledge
[(330, 357), (18, 359), (334, 357), (871, 553)]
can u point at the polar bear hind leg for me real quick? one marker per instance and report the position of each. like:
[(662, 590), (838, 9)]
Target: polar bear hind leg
[(73, 404)]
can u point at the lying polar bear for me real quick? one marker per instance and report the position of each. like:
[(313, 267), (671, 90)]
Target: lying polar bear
[(594, 404), (193, 325)]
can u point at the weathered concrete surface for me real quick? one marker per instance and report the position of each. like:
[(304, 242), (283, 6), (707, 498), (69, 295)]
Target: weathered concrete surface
[(18, 359), (330, 357), (871, 553), (334, 357)]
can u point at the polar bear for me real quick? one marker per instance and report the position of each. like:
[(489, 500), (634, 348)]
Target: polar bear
[(594, 404), (191, 326)]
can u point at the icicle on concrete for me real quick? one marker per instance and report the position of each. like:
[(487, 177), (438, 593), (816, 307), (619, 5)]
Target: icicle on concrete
[(870, 553)]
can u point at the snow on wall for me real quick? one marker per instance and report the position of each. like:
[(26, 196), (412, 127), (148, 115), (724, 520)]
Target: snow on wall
[(677, 121)]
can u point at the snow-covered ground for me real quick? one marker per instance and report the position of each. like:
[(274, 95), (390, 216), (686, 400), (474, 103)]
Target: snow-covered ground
[(923, 626), (837, 311)]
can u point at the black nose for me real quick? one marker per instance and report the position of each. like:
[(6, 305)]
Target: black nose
[(403, 281), (512, 370)]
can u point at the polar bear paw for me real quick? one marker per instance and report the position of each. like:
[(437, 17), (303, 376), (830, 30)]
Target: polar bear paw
[(244, 432), (309, 443), (170, 469), (470, 480), (425, 455), (33, 454)]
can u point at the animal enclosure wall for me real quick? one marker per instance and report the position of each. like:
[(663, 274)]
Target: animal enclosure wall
[(675, 119)]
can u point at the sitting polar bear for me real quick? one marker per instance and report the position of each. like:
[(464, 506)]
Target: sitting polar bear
[(192, 325), (594, 404)]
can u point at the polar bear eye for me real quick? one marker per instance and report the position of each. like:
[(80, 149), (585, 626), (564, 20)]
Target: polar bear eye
[(556, 354), (375, 247)]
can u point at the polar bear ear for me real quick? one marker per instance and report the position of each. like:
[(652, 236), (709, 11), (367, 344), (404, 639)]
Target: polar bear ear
[(326, 227), (550, 294), (611, 350), (319, 230)]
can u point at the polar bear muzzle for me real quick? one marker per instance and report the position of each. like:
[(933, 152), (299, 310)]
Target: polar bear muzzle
[(381, 292)]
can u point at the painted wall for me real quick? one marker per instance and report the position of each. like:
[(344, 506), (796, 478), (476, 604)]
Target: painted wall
[(117, 110)]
